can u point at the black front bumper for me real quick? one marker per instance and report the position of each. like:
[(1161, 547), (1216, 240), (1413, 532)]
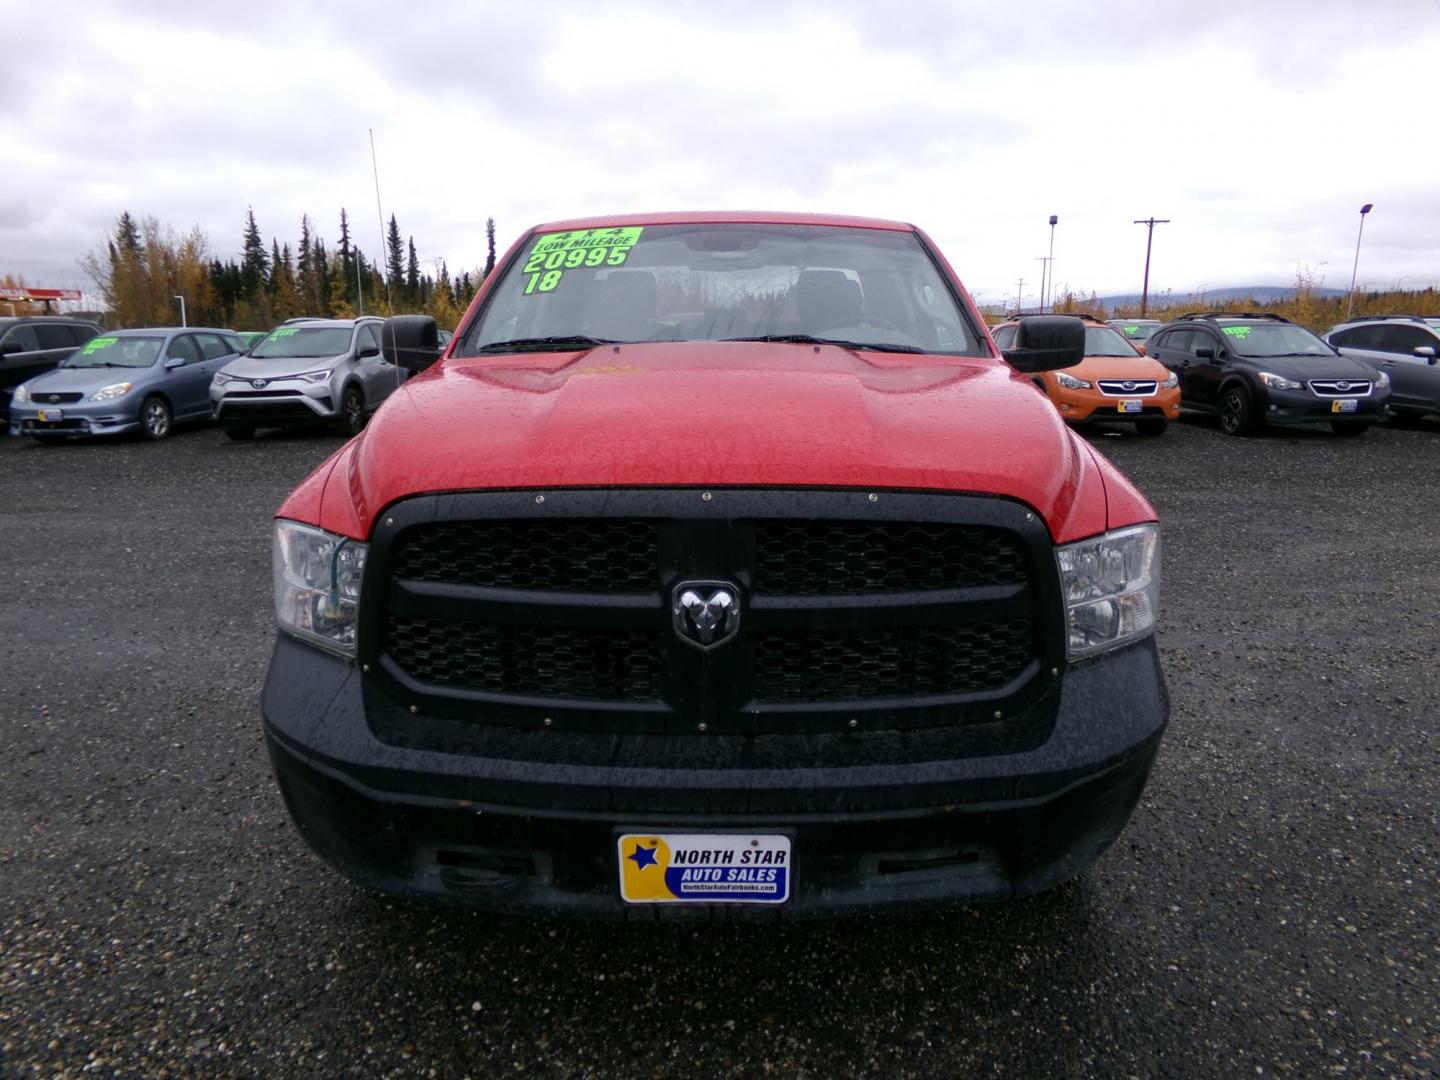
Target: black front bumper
[(1283, 407), (526, 821)]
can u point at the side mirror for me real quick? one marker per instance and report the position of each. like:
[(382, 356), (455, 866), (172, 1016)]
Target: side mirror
[(368, 350), (1425, 352), (1205, 352), (7, 348), (410, 341), (173, 362), (1047, 343)]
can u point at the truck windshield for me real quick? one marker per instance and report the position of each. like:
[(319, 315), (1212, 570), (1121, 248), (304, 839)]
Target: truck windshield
[(289, 342), (867, 288)]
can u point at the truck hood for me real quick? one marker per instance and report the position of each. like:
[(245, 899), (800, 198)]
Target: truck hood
[(718, 414), (278, 367)]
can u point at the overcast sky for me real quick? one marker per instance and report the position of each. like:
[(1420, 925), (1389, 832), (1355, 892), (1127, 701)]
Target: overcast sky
[(1259, 128)]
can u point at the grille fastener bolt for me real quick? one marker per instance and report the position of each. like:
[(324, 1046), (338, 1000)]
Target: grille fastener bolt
[(547, 721), (702, 726), (853, 723), (365, 668), (1054, 671), (1029, 517), (389, 522), (998, 714), (873, 497), (414, 709), (706, 497), (539, 499)]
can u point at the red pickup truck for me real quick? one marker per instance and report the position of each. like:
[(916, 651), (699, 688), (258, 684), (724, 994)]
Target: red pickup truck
[(720, 564)]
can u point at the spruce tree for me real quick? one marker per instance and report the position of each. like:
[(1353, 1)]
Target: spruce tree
[(255, 263), (489, 246), (395, 261), (412, 276)]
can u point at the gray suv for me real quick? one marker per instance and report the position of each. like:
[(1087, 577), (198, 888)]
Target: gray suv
[(1405, 347), (30, 345), (307, 371)]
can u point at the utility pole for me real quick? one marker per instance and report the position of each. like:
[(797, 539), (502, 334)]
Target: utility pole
[(1019, 294), (1150, 224)]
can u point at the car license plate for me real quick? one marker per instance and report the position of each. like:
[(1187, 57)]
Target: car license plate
[(46, 415), (704, 868), (1131, 406), (1344, 405)]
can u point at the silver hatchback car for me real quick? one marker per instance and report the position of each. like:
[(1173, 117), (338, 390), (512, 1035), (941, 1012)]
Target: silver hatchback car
[(308, 371)]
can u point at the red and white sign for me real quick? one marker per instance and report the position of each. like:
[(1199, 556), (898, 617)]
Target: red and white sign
[(22, 295)]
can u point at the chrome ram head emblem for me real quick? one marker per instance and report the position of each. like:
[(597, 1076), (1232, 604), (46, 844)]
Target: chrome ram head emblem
[(706, 613)]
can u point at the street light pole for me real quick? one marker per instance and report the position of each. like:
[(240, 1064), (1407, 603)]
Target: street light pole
[(1050, 266), (1150, 224), (1350, 307), (182, 311)]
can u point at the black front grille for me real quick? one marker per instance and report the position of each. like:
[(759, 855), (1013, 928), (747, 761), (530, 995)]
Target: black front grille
[(578, 555), (528, 661), (45, 398), (902, 663), (506, 608), (811, 558), (1340, 387)]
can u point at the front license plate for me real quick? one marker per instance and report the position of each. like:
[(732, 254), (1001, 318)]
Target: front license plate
[(1131, 406), (1344, 405), (46, 415), (703, 868)]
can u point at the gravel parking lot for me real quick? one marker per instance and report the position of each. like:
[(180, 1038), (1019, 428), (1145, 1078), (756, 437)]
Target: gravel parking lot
[(1274, 908)]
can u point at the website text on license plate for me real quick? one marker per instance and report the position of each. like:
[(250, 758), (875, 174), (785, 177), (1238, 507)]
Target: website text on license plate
[(680, 868)]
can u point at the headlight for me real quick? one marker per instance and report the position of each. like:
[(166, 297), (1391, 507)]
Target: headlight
[(1070, 382), (1381, 380), (1277, 382), (111, 392), (1112, 588), (317, 585), (310, 376), (21, 394), (1172, 382), (221, 378)]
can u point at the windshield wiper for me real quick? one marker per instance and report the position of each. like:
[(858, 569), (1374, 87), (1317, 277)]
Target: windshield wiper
[(544, 344), (810, 339)]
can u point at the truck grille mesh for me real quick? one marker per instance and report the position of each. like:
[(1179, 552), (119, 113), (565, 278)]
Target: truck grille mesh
[(526, 660), (818, 557), (891, 663), (575, 555)]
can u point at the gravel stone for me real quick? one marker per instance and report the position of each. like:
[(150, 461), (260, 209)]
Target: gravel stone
[(1271, 910)]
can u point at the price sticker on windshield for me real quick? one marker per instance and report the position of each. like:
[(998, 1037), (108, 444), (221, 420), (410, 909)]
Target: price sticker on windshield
[(94, 345), (579, 249), (1241, 332), (284, 331)]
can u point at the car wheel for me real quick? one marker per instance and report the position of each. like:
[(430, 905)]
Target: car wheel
[(240, 434), (1235, 418), (351, 417), (1348, 431), (155, 418), (1151, 428)]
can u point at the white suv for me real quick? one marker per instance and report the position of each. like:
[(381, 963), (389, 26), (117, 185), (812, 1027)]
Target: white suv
[(1405, 347), (307, 371)]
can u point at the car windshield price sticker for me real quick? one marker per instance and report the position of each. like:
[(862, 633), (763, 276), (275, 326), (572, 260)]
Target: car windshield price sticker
[(580, 249), (678, 868), (1241, 332), (94, 345), (284, 331)]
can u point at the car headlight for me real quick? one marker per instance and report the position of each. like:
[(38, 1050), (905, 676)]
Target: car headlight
[(111, 392), (1381, 380), (1070, 382), (310, 376), (1171, 382), (221, 378), (1112, 589), (1277, 382), (317, 585), (21, 394)]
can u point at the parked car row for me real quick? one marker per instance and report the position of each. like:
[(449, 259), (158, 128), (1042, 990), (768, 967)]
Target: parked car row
[(68, 378)]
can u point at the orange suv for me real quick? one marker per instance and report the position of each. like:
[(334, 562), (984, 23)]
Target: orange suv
[(1114, 383)]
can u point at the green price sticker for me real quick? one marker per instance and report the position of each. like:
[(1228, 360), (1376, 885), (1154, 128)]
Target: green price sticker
[(284, 332), (1241, 332), (1131, 331), (94, 345), (579, 249)]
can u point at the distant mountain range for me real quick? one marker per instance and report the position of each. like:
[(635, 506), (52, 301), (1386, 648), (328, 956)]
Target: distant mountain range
[(1214, 298)]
